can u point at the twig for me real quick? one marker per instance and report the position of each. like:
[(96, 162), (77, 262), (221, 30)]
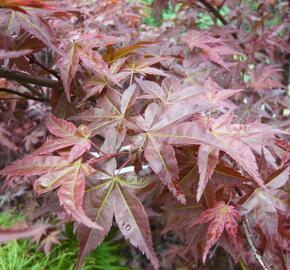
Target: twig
[(51, 71), (249, 236), (250, 239), (6, 90), (21, 76), (30, 88), (218, 15), (221, 4), (214, 11)]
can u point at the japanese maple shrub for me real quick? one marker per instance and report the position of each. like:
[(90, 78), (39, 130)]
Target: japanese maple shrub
[(182, 125)]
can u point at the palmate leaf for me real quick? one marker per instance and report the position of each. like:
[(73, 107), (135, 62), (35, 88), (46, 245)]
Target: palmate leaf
[(221, 216), (171, 91), (110, 196), (138, 64), (98, 82), (82, 50), (211, 47), (217, 95), (68, 135), (99, 206), (165, 127), (169, 95), (111, 118), (13, 21), (264, 205), (266, 77), (237, 140), (157, 151), (57, 172)]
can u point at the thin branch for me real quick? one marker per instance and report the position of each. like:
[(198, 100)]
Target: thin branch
[(214, 11), (218, 15), (250, 239), (30, 88), (10, 91), (249, 236), (51, 71), (221, 4), (21, 76)]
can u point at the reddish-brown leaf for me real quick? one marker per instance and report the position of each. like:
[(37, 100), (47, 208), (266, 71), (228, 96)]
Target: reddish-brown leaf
[(207, 160), (16, 232), (57, 172), (113, 195), (82, 50), (69, 135), (215, 49), (221, 217)]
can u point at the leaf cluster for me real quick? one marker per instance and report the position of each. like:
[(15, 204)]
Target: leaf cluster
[(181, 127)]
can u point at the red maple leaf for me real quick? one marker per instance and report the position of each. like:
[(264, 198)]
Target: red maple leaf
[(67, 135), (221, 217)]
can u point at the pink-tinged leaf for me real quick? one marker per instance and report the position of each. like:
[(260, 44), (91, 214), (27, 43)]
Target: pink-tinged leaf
[(111, 119), (79, 149), (78, 138), (92, 88), (199, 39), (113, 139), (98, 40), (92, 59), (264, 78), (195, 133), (68, 66), (264, 204), (211, 47), (42, 4), (159, 128), (82, 50), (13, 54), (107, 195), (207, 160), (71, 194), (217, 95), (214, 233), (280, 180), (35, 165), (97, 83), (38, 27), (133, 222), (162, 160), (53, 238), (171, 91), (222, 216), (176, 92), (128, 98), (99, 207), (58, 172), (54, 179), (52, 145), (140, 64), (16, 232), (243, 155), (59, 127), (152, 88)]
